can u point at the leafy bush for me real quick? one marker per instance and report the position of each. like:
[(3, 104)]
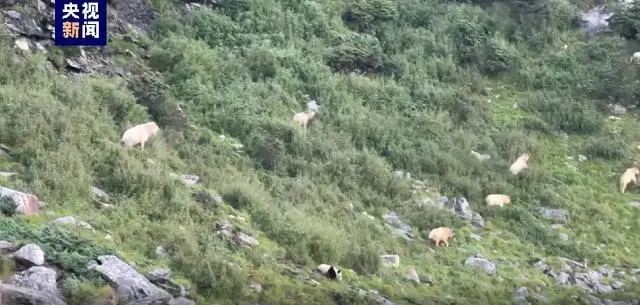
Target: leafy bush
[(568, 115), (626, 21), (416, 87), (606, 148), (359, 53), (366, 14), (64, 248)]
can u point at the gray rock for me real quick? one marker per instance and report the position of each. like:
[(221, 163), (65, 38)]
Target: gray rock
[(181, 301), (246, 239), (475, 236), (375, 295), (602, 288), (563, 135), (399, 173), (611, 302), (14, 295), (617, 285), (557, 215), (190, 179), (13, 14), (395, 221), (541, 299), (23, 25), (520, 295), (30, 253), (159, 275), (22, 44), (129, 282), (390, 260), (37, 278), (187, 179), (542, 266), (99, 195), (461, 207), (617, 109), (477, 221), (563, 236), (595, 21), (256, 287), (27, 204), (521, 292), (400, 233), (583, 281), (482, 264), (6, 246), (85, 225), (595, 276), (7, 174), (563, 279), (161, 253), (66, 220), (399, 229)]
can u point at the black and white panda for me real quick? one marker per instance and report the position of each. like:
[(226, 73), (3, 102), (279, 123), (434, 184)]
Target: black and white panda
[(329, 271)]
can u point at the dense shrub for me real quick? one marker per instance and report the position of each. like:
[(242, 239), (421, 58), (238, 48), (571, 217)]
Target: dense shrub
[(403, 85), (360, 53), (626, 21), (567, 115)]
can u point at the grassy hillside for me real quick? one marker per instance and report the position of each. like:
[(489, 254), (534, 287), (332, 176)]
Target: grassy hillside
[(425, 81)]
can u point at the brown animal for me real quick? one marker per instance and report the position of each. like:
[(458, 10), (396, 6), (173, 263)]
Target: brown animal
[(441, 235), (303, 118), (520, 164), (628, 177), (497, 199)]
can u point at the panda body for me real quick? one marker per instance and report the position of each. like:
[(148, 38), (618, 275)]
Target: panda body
[(330, 271)]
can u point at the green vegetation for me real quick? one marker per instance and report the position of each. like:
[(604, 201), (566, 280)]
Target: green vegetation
[(429, 80)]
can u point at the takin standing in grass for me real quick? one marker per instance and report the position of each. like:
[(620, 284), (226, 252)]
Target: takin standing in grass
[(139, 134), (303, 118), (520, 164), (441, 235), (635, 58), (497, 199), (628, 177)]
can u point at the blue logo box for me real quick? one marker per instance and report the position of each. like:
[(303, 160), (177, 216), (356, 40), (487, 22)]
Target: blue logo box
[(80, 23)]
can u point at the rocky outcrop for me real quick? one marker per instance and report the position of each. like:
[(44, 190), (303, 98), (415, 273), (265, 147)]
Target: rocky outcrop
[(14, 295), (35, 282), (572, 273), (224, 228), (426, 197), (23, 203), (129, 284)]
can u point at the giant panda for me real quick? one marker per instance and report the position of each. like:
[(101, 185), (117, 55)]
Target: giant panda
[(330, 271)]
